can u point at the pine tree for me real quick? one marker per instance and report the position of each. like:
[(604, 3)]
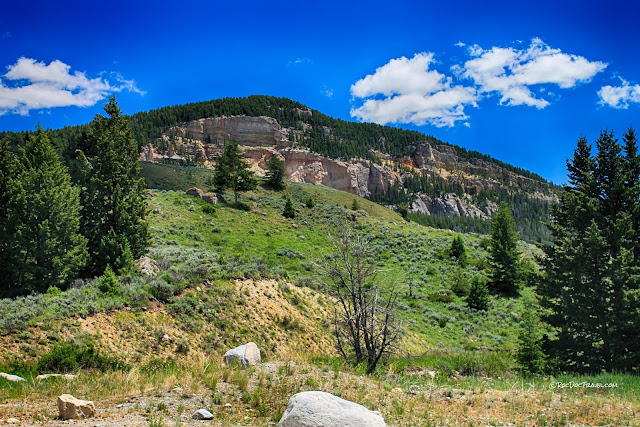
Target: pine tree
[(44, 213), (354, 205), (232, 171), (529, 356), (275, 173), (504, 251), (458, 251), (289, 211), (114, 209), (7, 252), (478, 298), (591, 282)]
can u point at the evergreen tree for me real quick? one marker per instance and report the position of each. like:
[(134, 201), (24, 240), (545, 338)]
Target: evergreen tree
[(275, 173), (7, 252), (289, 211), (504, 253), (310, 202), (114, 209), (478, 298), (529, 356), (458, 251), (355, 205), (44, 217), (232, 171), (591, 283)]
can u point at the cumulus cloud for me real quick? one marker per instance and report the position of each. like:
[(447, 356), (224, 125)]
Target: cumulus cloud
[(511, 72), (619, 96), (406, 91), (34, 85)]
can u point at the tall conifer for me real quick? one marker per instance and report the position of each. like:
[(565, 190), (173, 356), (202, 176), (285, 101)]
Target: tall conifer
[(114, 208)]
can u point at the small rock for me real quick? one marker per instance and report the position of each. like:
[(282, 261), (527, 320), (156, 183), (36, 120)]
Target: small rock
[(227, 405), (157, 211), (13, 421), (202, 414), (12, 378), (71, 408), (166, 338), (210, 198), (247, 355), (294, 226), (64, 376), (397, 391)]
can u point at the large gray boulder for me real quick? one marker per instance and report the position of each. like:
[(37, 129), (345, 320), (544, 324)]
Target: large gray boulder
[(246, 355), (320, 409)]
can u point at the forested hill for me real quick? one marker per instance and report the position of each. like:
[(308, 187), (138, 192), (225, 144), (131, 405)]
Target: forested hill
[(350, 139)]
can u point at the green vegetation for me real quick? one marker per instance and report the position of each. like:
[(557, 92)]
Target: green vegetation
[(478, 298), (276, 173), (42, 244), (505, 256), (232, 171), (590, 288), (113, 206), (289, 211)]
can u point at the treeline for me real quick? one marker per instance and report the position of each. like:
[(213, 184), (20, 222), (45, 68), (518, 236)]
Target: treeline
[(531, 214), (53, 230), (343, 139)]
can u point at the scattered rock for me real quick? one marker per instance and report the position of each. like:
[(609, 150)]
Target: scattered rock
[(147, 266), (13, 421), (227, 405), (64, 376), (294, 226), (166, 338), (75, 409), (195, 192), (397, 391), (12, 378), (320, 409), (202, 414), (247, 354), (157, 211)]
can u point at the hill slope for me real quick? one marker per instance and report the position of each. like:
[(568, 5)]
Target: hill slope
[(444, 185)]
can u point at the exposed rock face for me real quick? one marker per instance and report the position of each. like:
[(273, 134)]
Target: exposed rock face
[(71, 408), (320, 409), (245, 130), (195, 192), (262, 138), (246, 355), (450, 205)]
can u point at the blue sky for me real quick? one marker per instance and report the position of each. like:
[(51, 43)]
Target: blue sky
[(519, 81)]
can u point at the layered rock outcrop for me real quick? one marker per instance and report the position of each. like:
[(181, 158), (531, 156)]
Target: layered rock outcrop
[(262, 137)]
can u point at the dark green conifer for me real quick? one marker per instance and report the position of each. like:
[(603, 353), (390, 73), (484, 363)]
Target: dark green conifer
[(276, 173), (504, 253), (478, 298), (114, 209), (232, 171), (44, 217), (289, 211)]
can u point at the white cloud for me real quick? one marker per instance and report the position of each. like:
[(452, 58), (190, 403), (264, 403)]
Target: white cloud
[(619, 96), (411, 93), (510, 72), (299, 61), (36, 85)]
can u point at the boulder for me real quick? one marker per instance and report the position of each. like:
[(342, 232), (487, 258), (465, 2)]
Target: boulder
[(246, 355), (75, 409), (202, 414), (147, 266), (210, 198), (320, 409), (12, 378), (63, 376), (195, 192)]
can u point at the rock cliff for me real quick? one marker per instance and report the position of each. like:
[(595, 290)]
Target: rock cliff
[(262, 137)]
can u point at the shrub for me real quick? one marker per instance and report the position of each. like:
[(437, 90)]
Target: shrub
[(289, 211), (478, 298), (68, 357), (109, 282), (208, 209), (309, 202)]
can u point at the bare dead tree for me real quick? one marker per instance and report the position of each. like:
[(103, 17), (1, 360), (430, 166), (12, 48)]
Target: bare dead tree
[(365, 325)]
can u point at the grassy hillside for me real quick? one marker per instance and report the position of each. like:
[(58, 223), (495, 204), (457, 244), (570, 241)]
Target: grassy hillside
[(229, 275)]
